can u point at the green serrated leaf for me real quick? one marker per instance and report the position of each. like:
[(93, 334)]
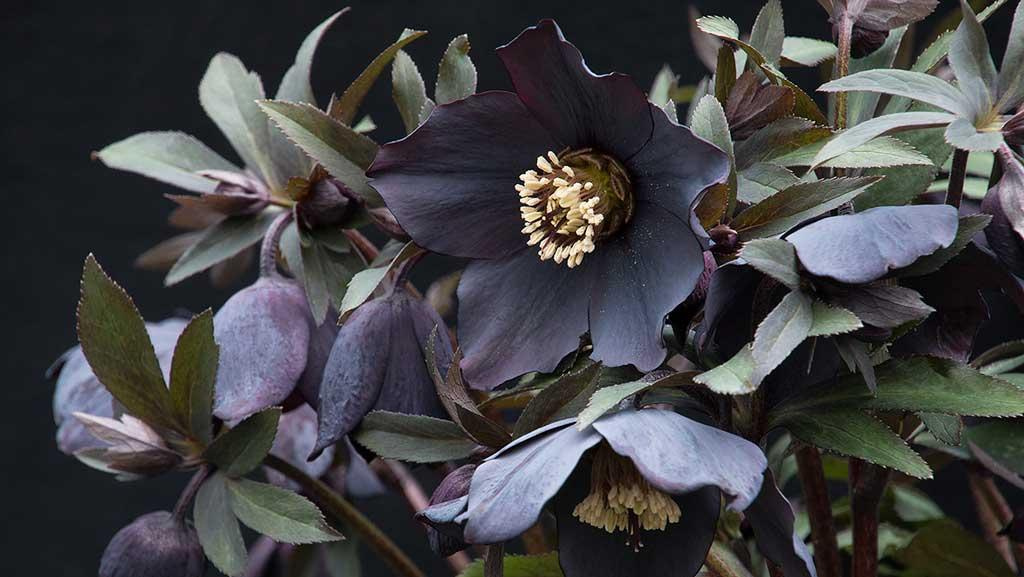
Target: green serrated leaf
[(456, 75), (782, 211), (733, 377), (963, 135), (708, 121), (345, 153), (1002, 358), (945, 428), (413, 438), (880, 152), (832, 320), (365, 282), (661, 88), (325, 271), (775, 258), (344, 109), (220, 242), (607, 398), (278, 513), (945, 549), (921, 87), (553, 397), (852, 433), (1002, 440), (115, 342), (228, 93), (218, 529), (806, 51), (171, 157), (785, 327), (768, 33), (242, 448), (866, 131), (545, 565), (193, 374), (296, 86), (409, 91)]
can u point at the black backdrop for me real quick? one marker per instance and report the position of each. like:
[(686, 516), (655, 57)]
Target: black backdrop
[(79, 75)]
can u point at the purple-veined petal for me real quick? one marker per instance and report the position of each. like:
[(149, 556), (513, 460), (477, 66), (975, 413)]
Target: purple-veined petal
[(263, 333), (520, 314), (580, 109), (863, 247), (771, 517), (678, 455), (78, 389), (451, 183), (508, 492), (644, 273), (586, 551), (675, 167)]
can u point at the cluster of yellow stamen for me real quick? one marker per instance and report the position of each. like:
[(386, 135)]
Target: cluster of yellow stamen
[(562, 211), (621, 499)]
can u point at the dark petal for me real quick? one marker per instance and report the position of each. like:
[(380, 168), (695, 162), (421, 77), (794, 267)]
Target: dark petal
[(296, 437), (444, 533), (678, 455), (263, 333), (520, 314), (887, 14), (321, 341), (1002, 239), (679, 550), (675, 167), (408, 387), (78, 389), (960, 310), (580, 109), (355, 371), (771, 517), (451, 183), (155, 544), (509, 490), (862, 247), (885, 307), (726, 327), (645, 273)]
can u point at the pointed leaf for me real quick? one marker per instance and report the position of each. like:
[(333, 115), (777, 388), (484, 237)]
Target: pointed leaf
[(1011, 73), (278, 513), (880, 152), (365, 282), (768, 33), (242, 448), (218, 529), (733, 377), (806, 51), (171, 157), (946, 428), (456, 75), (220, 242), (553, 397), (193, 374), (344, 109), (866, 131), (922, 87), (708, 121), (963, 135), (832, 320), (775, 258), (413, 438), (409, 92), (781, 332), (117, 346), (969, 54), (296, 86), (781, 212)]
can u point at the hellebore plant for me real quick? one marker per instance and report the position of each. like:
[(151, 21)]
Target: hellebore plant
[(664, 316)]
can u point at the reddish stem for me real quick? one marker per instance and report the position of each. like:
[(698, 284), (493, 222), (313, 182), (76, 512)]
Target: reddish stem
[(819, 510)]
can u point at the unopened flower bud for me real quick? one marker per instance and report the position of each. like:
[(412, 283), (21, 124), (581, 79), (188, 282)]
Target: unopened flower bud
[(328, 203), (236, 193), (448, 502), (725, 239), (154, 545), (1013, 130), (864, 41)]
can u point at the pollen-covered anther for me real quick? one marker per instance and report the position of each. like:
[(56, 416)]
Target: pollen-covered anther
[(621, 499), (564, 212)]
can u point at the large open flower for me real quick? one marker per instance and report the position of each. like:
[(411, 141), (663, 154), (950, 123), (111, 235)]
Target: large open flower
[(574, 195)]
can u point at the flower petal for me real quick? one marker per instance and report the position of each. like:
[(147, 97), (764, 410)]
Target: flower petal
[(586, 551), (451, 183), (645, 273), (580, 109), (507, 493), (678, 455), (771, 517), (520, 314), (886, 237), (295, 439), (675, 167)]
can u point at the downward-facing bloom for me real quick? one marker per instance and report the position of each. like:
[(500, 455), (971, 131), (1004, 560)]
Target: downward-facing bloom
[(574, 197), (635, 493)]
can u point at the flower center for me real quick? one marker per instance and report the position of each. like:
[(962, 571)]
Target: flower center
[(572, 202), (621, 499)]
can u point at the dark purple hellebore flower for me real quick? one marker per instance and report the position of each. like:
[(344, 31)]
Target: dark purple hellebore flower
[(378, 363), (636, 493), (574, 197)]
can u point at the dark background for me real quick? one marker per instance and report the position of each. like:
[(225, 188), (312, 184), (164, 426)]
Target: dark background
[(80, 75)]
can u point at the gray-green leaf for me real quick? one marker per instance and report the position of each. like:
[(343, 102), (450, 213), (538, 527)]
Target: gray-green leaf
[(784, 210), (278, 513), (781, 332), (242, 448), (171, 157), (218, 529), (733, 377), (220, 242), (409, 91), (413, 438), (775, 258), (456, 75), (193, 374)]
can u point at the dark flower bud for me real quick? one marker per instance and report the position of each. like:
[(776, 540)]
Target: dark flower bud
[(327, 203), (1002, 238), (448, 502), (154, 545), (863, 41), (236, 193), (264, 334), (1013, 130), (725, 239)]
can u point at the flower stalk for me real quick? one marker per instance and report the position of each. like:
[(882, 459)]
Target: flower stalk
[(342, 510), (957, 175), (189, 492), (867, 485), (268, 249), (819, 510)]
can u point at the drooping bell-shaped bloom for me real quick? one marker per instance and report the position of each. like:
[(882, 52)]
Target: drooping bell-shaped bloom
[(378, 363), (636, 493), (78, 389), (154, 545), (269, 344), (574, 197)]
